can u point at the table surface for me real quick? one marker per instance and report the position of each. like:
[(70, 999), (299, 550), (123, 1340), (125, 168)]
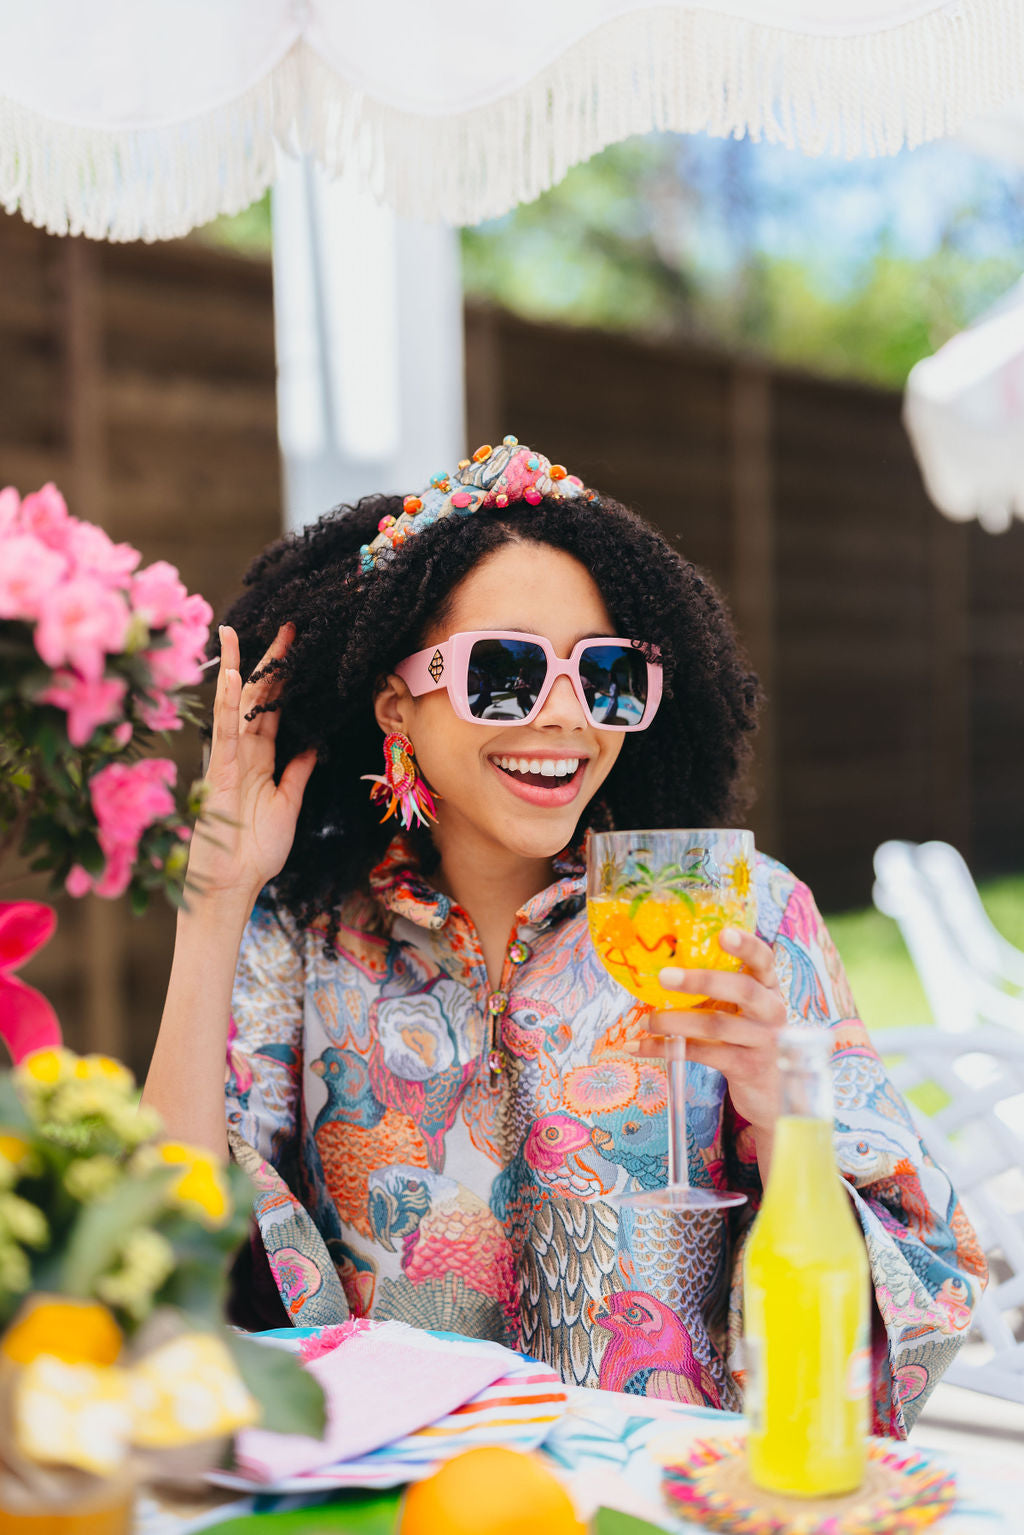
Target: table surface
[(610, 1450)]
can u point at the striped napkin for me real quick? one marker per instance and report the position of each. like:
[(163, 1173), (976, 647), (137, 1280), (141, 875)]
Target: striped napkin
[(452, 1394)]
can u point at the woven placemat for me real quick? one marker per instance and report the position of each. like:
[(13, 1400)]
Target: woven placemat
[(903, 1492)]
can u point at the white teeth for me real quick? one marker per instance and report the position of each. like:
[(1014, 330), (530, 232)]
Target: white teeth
[(546, 767)]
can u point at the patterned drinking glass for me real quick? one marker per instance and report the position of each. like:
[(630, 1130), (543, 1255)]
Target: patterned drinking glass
[(657, 898)]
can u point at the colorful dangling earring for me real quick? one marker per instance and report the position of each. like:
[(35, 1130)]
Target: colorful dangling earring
[(401, 784)]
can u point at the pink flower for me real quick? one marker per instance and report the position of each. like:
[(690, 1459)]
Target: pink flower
[(117, 874), (10, 507), (129, 796), (27, 1021), (78, 882), (177, 665), (79, 622), (89, 702), (123, 733), (158, 594), (126, 798), (45, 513), (95, 554), (28, 571), (161, 713)]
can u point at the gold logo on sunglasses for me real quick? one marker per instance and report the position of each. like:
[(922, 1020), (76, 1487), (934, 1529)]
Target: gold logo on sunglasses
[(436, 666)]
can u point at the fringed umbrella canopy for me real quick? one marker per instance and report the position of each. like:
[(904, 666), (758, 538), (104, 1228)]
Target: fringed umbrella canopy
[(139, 119)]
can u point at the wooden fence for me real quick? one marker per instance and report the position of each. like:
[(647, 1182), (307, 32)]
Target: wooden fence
[(890, 642)]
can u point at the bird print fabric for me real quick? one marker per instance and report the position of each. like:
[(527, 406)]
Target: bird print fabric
[(399, 1176)]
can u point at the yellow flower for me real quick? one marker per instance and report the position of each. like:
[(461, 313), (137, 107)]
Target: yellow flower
[(15, 1270), (146, 1260), (90, 1177), (76, 1331), (48, 1067), (201, 1189), (23, 1221), (14, 1148), (16, 1157), (103, 1068)]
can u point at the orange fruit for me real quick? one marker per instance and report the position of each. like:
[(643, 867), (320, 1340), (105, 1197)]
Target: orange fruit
[(490, 1491)]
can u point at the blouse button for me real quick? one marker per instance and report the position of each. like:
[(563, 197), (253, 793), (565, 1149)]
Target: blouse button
[(519, 952), (497, 1003)]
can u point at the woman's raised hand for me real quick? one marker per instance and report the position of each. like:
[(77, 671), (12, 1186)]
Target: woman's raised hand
[(249, 823)]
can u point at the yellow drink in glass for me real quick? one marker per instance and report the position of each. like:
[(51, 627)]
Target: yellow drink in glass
[(637, 937), (658, 898), (806, 1300)]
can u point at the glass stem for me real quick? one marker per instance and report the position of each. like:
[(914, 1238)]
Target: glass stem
[(678, 1162)]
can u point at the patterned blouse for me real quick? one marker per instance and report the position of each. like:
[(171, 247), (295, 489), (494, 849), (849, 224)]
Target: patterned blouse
[(399, 1175)]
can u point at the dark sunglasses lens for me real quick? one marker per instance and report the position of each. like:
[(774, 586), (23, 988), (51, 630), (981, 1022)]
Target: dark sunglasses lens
[(614, 681), (505, 678)]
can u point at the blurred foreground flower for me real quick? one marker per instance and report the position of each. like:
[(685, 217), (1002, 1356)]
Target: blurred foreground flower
[(96, 654), (114, 1251)]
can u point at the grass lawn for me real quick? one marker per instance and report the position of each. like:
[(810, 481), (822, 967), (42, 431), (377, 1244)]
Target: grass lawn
[(883, 978)]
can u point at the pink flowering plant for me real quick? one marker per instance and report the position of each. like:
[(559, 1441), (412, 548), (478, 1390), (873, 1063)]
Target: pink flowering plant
[(96, 656)]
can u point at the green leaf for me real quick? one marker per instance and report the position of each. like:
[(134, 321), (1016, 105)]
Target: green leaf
[(612, 1521), (103, 1225), (292, 1401), (87, 851), (13, 1115), (47, 741), (361, 1512)]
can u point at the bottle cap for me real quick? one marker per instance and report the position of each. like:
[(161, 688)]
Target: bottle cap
[(804, 1049), (805, 1077)]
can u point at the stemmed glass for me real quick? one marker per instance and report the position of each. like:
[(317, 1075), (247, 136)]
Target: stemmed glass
[(657, 898)]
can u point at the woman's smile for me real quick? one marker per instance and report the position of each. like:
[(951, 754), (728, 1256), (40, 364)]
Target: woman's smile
[(548, 779)]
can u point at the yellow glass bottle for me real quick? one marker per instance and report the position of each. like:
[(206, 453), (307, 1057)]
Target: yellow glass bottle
[(806, 1298)]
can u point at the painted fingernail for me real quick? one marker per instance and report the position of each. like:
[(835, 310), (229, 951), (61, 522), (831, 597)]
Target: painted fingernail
[(631, 1046), (672, 978), (729, 938)]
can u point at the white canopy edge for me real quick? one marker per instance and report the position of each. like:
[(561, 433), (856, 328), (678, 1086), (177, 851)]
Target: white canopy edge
[(680, 67)]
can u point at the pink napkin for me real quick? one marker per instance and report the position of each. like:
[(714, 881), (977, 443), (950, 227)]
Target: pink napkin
[(379, 1385)]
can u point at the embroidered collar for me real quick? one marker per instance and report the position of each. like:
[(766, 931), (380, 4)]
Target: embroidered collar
[(398, 884), (401, 888)]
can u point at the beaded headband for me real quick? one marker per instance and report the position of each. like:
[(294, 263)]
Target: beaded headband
[(492, 477)]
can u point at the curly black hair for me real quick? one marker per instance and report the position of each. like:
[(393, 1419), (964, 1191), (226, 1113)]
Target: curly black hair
[(352, 629)]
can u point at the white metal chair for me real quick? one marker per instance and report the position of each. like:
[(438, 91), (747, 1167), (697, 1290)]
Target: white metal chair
[(957, 898), (975, 1054), (977, 1140), (961, 994)]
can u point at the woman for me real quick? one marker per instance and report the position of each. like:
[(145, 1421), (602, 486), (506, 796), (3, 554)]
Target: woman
[(431, 1077)]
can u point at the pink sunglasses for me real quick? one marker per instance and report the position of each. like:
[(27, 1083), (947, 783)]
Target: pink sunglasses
[(503, 677)]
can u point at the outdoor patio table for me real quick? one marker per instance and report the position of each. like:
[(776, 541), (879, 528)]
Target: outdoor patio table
[(611, 1449)]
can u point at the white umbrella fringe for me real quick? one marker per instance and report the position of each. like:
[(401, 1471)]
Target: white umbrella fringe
[(663, 68)]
